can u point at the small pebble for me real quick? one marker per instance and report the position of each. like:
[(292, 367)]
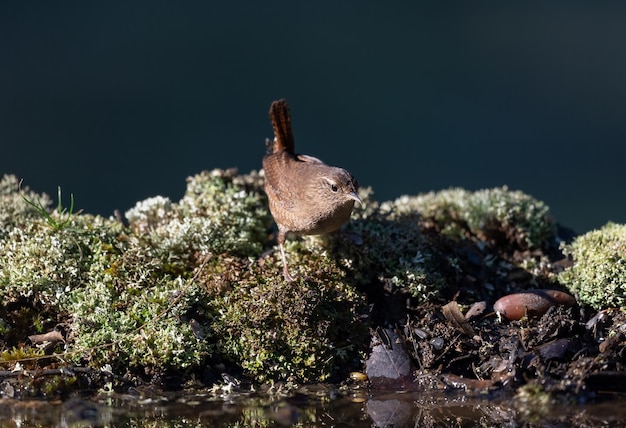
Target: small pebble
[(358, 376), (422, 334), (437, 343)]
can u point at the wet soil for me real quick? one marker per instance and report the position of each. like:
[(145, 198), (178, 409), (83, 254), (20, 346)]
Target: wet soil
[(561, 350)]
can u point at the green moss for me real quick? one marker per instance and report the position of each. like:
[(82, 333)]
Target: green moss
[(4, 327), (233, 210), (106, 282), (598, 274), (43, 265), (220, 212), (307, 331), (129, 290), (198, 277), (15, 211), (181, 284), (498, 214), (394, 250), (20, 353)]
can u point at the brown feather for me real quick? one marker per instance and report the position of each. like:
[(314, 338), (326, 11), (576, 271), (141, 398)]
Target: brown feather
[(281, 122)]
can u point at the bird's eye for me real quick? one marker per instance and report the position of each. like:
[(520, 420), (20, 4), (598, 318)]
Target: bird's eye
[(334, 188)]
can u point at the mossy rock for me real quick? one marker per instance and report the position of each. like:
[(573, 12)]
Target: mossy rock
[(598, 274)]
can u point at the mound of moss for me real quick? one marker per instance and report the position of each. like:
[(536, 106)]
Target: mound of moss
[(499, 215), (192, 282), (393, 251), (598, 274), (311, 330), (182, 283)]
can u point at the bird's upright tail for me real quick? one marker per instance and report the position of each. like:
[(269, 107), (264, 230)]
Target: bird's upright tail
[(281, 122)]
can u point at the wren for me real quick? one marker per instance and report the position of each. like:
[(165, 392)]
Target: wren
[(306, 196)]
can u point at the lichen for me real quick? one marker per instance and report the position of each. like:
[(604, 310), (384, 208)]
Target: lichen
[(598, 273)]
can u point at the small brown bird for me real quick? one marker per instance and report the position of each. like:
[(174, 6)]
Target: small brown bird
[(306, 196)]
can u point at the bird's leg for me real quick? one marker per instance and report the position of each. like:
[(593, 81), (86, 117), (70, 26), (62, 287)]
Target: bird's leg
[(286, 274), (281, 243)]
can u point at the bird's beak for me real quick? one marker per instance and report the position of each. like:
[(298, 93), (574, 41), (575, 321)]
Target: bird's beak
[(353, 195)]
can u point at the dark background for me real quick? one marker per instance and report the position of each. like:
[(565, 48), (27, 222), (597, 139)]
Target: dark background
[(119, 102)]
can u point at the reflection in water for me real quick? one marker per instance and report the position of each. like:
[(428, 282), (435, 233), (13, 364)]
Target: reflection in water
[(316, 408)]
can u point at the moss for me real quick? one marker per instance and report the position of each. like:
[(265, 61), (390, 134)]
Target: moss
[(233, 210), (41, 266), (55, 386), (106, 282), (598, 274), (133, 304), (167, 344), (129, 295), (499, 215), (20, 353), (307, 331), (220, 212), (394, 251), (199, 277), (15, 210)]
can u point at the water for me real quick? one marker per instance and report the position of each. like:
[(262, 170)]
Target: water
[(316, 407)]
